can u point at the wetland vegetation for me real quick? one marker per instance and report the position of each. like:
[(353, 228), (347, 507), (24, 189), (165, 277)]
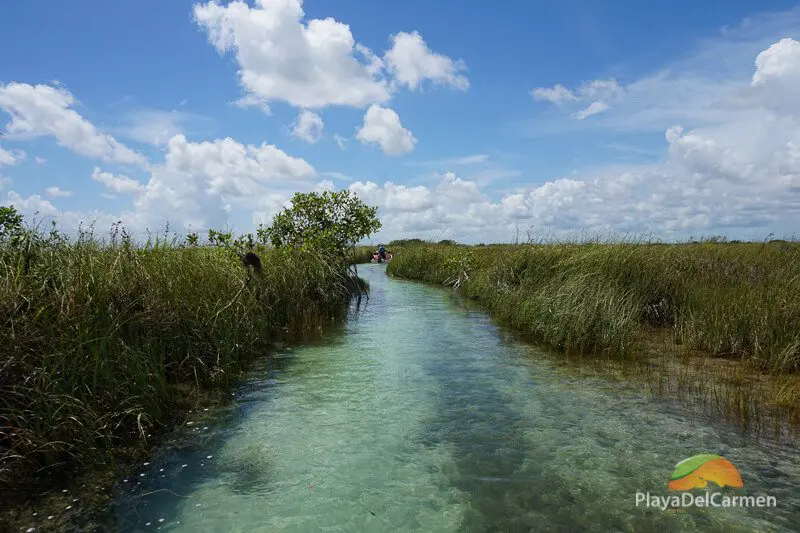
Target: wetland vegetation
[(106, 342), (700, 306)]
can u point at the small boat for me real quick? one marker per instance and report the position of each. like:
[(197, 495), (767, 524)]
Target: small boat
[(376, 258)]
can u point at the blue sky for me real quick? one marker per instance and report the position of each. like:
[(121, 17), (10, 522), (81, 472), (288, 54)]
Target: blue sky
[(460, 121)]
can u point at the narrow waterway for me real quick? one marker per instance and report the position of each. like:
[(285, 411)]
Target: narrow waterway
[(419, 415)]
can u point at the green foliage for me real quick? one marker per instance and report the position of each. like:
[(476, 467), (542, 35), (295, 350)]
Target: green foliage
[(244, 242), (330, 223), (219, 238), (731, 300), (192, 240), (458, 266), (406, 242), (99, 339), (10, 224)]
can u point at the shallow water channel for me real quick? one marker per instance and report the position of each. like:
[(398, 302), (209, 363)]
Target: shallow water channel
[(420, 415)]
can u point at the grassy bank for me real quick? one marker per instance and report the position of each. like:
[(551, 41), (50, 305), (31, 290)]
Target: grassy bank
[(101, 342), (731, 300)]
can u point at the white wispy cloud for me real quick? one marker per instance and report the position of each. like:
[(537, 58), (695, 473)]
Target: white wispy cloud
[(706, 87), (474, 159), (593, 109), (156, 126), (11, 157), (56, 192), (337, 176)]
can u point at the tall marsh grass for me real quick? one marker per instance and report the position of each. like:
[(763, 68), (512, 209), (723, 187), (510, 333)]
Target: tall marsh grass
[(732, 300), (97, 340)]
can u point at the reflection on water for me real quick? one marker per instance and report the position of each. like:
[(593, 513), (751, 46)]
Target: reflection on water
[(421, 416)]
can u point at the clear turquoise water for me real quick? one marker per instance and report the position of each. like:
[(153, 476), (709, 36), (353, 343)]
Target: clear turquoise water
[(421, 416)]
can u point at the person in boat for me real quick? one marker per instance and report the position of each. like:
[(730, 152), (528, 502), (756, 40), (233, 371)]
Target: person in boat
[(382, 252)]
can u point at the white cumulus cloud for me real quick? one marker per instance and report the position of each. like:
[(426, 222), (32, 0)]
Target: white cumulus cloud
[(281, 57), (31, 204), (39, 110), (316, 63), (779, 61), (117, 184), (382, 127), (11, 157), (731, 164), (56, 192), (738, 175), (199, 179), (308, 126), (412, 62)]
